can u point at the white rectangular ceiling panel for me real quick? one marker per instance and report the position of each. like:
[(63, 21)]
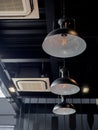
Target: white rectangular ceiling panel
[(32, 84), (18, 9)]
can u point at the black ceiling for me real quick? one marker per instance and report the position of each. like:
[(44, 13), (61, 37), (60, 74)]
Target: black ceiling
[(21, 43)]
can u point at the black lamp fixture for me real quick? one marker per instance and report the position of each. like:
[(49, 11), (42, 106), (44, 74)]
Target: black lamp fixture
[(64, 108), (64, 41), (64, 85)]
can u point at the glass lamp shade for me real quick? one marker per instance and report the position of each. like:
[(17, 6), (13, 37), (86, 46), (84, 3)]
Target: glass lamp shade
[(64, 109), (64, 86), (61, 43)]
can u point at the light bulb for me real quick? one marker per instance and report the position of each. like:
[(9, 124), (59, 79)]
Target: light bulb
[(73, 32), (85, 89), (96, 101), (64, 42), (12, 89)]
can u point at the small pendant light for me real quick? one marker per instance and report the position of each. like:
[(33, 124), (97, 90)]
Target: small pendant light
[(64, 108), (64, 85)]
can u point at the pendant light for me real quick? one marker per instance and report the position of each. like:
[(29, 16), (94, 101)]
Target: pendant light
[(64, 108), (63, 42), (64, 85)]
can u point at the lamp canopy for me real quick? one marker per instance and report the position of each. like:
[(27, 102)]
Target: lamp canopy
[(63, 42)]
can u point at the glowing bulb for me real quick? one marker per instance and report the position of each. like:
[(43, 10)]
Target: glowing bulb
[(96, 101), (85, 89), (72, 32), (11, 89), (64, 85), (64, 42), (73, 81)]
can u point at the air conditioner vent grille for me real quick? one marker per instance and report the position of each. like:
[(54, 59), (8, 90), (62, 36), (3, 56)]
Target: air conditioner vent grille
[(32, 84), (11, 5), (19, 9)]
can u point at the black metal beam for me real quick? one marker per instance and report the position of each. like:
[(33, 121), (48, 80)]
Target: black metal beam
[(10, 24), (22, 32), (47, 108), (51, 95)]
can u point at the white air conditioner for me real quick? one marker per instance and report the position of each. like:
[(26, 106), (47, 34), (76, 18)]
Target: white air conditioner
[(19, 9), (32, 84)]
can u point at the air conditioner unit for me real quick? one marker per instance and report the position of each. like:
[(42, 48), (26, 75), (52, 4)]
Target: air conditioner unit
[(19, 9), (32, 84)]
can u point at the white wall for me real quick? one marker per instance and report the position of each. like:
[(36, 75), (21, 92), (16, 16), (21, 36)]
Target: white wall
[(6, 113)]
